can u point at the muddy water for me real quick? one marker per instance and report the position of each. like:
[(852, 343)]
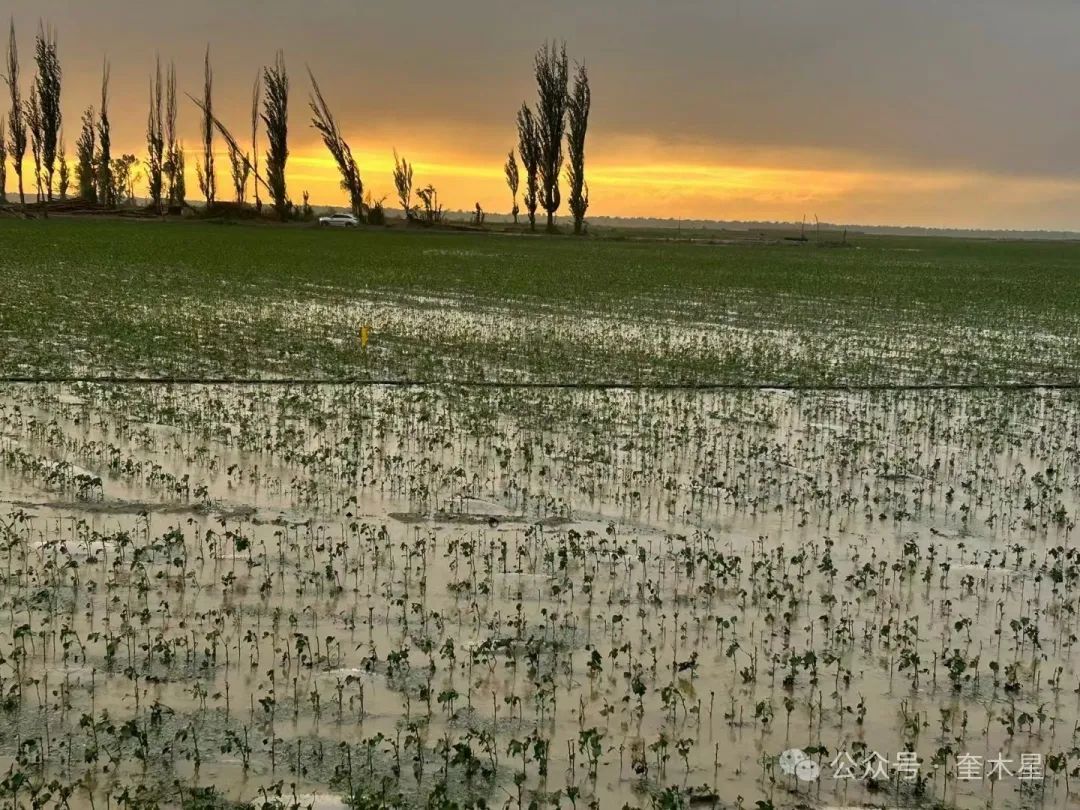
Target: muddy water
[(244, 588)]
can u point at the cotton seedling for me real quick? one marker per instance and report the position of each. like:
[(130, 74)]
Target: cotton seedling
[(450, 573)]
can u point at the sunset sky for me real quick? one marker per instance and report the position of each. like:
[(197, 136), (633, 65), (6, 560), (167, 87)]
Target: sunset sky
[(960, 113)]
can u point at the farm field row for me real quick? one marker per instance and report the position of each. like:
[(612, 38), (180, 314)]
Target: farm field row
[(209, 300), (432, 596)]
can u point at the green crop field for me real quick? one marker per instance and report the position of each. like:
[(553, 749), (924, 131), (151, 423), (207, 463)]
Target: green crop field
[(202, 299), (344, 596)]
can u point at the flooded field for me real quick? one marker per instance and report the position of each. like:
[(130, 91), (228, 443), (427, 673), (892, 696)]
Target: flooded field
[(366, 596), (449, 595), (210, 301)]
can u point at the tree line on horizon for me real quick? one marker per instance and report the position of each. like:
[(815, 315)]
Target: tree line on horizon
[(34, 123)]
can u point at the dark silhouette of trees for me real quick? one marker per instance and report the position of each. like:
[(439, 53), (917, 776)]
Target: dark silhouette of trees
[(240, 170), (240, 167), (106, 190), (552, 76), (47, 85), (403, 181), (541, 133), (3, 159), (429, 197), (17, 114), (513, 181), (63, 171), (432, 213), (578, 115), (276, 120), (155, 142), (33, 123), (323, 121), (256, 100), (205, 170), (243, 165), (125, 175), (37, 123), (180, 188), (529, 149), (85, 168), (171, 165), (376, 213)]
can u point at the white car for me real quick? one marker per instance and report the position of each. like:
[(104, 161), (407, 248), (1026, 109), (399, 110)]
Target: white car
[(339, 221)]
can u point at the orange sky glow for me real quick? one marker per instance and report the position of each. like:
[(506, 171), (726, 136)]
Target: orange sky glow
[(960, 114), (626, 180)]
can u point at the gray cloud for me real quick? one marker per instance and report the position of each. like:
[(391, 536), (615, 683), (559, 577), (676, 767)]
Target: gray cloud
[(986, 85)]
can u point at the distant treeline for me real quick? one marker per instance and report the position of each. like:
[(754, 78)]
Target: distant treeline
[(852, 229)]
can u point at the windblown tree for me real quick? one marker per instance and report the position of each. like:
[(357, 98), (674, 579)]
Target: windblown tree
[(47, 85), (433, 210), (403, 181), (85, 168), (324, 121), (16, 115), (205, 170), (173, 167), (256, 100), (276, 120), (240, 170), (552, 76), (578, 118), (513, 181), (244, 167), (529, 149), (103, 159), (155, 142)]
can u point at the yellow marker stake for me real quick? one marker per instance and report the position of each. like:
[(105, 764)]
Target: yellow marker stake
[(364, 337)]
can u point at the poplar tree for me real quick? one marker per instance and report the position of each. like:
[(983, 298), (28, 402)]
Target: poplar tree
[(578, 114), (47, 85), (155, 141), (552, 75), (326, 125), (276, 119), (106, 191), (513, 181), (16, 115), (85, 150), (205, 170), (529, 149)]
